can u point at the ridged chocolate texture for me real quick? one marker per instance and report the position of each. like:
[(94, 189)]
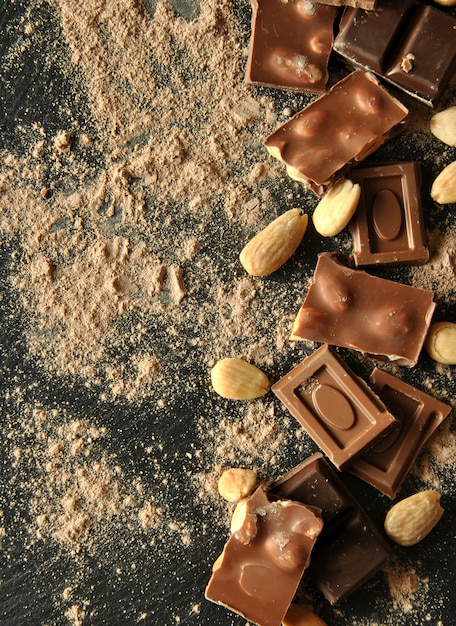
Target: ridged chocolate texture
[(350, 549), (335, 407), (353, 309), (388, 226), (290, 44), (408, 43), (336, 131), (386, 465)]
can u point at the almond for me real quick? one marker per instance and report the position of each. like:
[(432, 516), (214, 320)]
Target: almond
[(446, 3), (236, 483), (236, 379), (411, 519), (440, 342), (275, 244), (443, 189), (443, 125), (336, 208)]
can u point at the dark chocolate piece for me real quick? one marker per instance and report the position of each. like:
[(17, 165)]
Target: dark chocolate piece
[(323, 141), (410, 44), (350, 549), (352, 309), (388, 226), (337, 409), (418, 414), (290, 44), (262, 563)]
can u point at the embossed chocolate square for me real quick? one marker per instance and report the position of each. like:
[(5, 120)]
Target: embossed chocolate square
[(290, 44), (386, 465), (350, 549), (336, 408), (263, 561), (350, 308), (322, 141), (408, 43), (388, 226)]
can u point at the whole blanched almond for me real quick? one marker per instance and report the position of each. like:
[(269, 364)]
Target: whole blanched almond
[(443, 125), (411, 519), (236, 379), (275, 244), (446, 3), (443, 188), (440, 342), (336, 208)]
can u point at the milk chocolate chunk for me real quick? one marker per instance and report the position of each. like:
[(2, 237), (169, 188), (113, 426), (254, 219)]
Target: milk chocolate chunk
[(262, 562), (290, 44), (388, 226), (350, 308), (336, 130), (387, 463), (408, 43), (350, 549), (336, 408)]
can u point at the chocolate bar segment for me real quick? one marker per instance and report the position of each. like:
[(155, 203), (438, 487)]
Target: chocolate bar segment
[(323, 141), (350, 549), (336, 408), (361, 4), (262, 563), (386, 464), (408, 43), (388, 226), (352, 309), (290, 44)]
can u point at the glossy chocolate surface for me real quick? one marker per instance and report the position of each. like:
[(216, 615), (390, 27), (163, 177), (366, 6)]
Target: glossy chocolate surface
[(350, 548), (408, 43), (336, 408), (388, 226), (386, 464), (322, 141), (353, 309), (290, 44), (263, 561)]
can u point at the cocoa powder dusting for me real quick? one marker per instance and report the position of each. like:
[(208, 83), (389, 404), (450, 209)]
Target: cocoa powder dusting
[(121, 287)]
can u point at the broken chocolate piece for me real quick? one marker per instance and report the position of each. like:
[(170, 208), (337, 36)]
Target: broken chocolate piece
[(290, 44), (262, 563), (350, 549), (408, 43), (386, 464), (352, 309), (388, 226), (323, 141), (336, 408)]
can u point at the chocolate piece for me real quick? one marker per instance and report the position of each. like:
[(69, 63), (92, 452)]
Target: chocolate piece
[(290, 44), (418, 414), (350, 549), (352, 309), (388, 226), (411, 45), (337, 409), (322, 141), (262, 563), (361, 4)]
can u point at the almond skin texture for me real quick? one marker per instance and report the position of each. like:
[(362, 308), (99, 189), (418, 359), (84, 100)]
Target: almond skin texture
[(443, 188), (440, 342), (236, 379), (411, 519), (443, 126), (275, 244)]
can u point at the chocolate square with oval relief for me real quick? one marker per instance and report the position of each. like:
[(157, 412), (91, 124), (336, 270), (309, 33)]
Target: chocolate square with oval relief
[(388, 226), (337, 409)]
